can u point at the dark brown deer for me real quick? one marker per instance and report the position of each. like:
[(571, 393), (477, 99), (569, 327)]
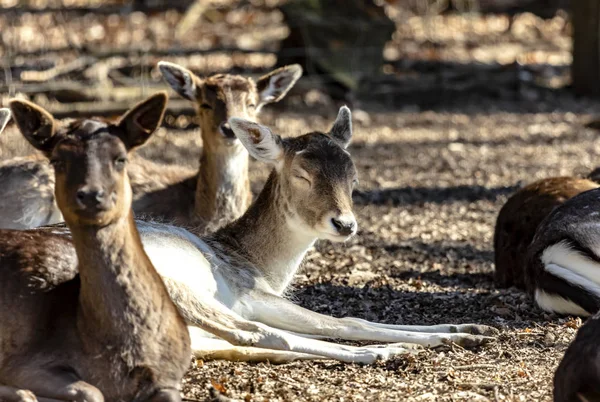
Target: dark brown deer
[(577, 378), (519, 218), (205, 199), (95, 324)]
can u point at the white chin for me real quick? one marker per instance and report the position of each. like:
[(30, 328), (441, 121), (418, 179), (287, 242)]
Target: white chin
[(334, 237)]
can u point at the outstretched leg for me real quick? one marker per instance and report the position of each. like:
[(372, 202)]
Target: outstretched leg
[(213, 317), (280, 313), (50, 385)]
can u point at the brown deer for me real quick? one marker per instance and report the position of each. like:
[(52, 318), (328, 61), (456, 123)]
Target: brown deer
[(577, 378), (204, 200), (231, 284), (96, 322), (519, 218)]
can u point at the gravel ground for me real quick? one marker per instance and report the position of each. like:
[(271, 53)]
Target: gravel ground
[(432, 182)]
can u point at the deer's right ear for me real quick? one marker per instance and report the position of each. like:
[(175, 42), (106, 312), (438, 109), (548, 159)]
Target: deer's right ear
[(36, 124), (4, 118), (142, 120), (182, 80), (260, 142)]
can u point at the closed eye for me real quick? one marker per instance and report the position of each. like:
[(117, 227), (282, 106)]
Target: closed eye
[(302, 177), (206, 106)]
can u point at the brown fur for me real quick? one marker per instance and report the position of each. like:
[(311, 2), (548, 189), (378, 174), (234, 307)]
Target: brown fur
[(519, 218), (111, 332)]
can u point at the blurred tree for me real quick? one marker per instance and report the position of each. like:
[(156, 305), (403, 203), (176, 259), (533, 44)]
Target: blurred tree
[(341, 41), (585, 70)]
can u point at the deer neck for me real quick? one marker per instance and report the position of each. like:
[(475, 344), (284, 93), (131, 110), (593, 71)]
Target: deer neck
[(267, 236), (121, 294), (223, 187)]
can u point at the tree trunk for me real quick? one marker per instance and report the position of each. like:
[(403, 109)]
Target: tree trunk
[(585, 70)]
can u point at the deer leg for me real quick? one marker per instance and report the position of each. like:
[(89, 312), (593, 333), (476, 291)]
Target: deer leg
[(279, 313), (50, 385), (214, 318), (215, 349), (10, 394)]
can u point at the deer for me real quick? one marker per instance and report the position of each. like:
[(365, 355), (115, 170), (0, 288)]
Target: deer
[(203, 200), (562, 266), (230, 285), (521, 215), (577, 377), (96, 321)]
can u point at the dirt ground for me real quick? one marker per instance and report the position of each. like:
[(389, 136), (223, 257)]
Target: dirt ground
[(433, 177)]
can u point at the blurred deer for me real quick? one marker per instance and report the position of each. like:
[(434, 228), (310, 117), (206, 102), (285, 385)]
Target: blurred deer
[(95, 322), (229, 286), (218, 193)]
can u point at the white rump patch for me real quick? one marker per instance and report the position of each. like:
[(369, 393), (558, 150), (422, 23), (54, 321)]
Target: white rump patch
[(571, 261), (557, 304)]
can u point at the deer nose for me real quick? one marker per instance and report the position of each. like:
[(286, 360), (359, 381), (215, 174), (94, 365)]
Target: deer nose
[(226, 130), (344, 225), (88, 197)]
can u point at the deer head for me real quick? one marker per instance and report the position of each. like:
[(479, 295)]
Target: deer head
[(222, 96), (89, 157), (315, 175)]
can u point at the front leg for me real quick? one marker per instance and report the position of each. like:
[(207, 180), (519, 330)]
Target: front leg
[(52, 385), (280, 313)]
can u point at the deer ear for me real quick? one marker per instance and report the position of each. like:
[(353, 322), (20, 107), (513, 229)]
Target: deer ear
[(35, 123), (138, 124), (260, 142), (341, 130), (4, 118), (276, 84), (182, 80)]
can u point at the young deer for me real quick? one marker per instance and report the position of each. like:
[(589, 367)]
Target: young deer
[(94, 323), (519, 218), (577, 378), (563, 262), (231, 284), (216, 194)]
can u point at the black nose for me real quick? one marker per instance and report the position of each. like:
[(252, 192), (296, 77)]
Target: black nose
[(227, 131), (344, 228), (90, 198)]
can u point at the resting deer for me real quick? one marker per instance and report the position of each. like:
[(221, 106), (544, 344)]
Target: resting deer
[(519, 218), (111, 332), (216, 194), (231, 284), (563, 262), (577, 378)]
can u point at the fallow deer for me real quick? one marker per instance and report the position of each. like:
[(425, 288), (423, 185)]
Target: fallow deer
[(577, 378), (231, 284), (95, 322), (562, 270), (216, 194), (519, 218)]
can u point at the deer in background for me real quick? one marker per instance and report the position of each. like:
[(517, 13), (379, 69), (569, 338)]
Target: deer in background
[(97, 324), (216, 194), (520, 217), (229, 286)]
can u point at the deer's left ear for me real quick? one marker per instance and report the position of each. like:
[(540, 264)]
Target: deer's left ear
[(142, 120), (276, 84), (341, 131)]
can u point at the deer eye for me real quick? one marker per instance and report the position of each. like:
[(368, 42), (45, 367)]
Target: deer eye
[(120, 162), (206, 106), (252, 106)]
